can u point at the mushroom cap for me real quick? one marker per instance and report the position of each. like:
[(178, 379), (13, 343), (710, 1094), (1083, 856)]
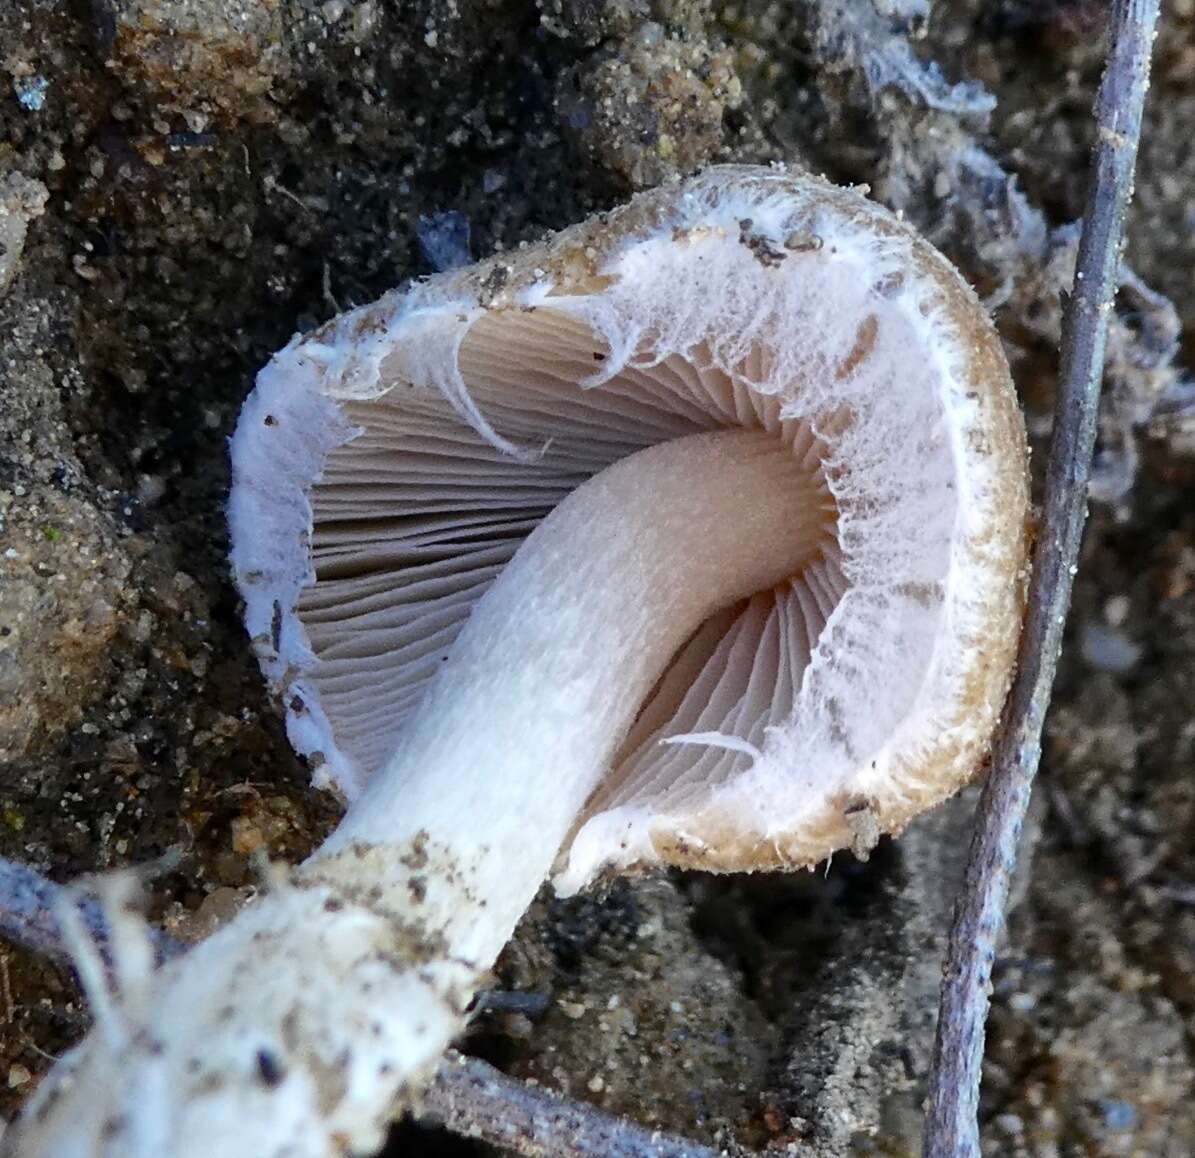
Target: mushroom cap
[(388, 465)]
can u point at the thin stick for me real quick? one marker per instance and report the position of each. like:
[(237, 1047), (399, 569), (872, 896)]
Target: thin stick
[(474, 1099), (27, 902), (468, 1097), (27, 916), (951, 1129)]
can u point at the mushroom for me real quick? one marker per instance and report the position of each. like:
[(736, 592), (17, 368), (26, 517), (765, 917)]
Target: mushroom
[(693, 535)]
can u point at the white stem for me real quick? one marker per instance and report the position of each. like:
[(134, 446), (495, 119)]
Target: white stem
[(555, 661), (299, 1027)]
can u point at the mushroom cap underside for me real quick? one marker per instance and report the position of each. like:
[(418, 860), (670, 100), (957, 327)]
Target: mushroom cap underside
[(388, 465)]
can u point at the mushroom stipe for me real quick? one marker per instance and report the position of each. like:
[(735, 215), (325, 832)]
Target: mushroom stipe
[(693, 535)]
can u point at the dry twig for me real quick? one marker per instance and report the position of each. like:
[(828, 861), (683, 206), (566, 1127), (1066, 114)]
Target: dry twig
[(474, 1099), (951, 1126), (27, 907), (27, 912)]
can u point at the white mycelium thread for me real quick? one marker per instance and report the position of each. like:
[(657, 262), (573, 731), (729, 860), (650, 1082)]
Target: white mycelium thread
[(788, 591)]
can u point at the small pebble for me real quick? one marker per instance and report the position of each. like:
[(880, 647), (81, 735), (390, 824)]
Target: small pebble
[(31, 92), (1107, 649), (1118, 1114)]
